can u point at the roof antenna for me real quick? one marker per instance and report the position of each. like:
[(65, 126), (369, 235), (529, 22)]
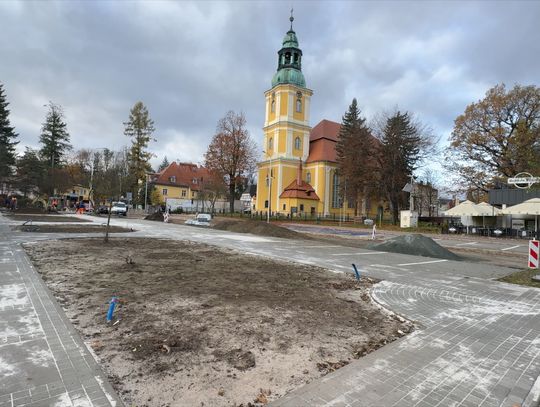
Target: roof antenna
[(291, 18)]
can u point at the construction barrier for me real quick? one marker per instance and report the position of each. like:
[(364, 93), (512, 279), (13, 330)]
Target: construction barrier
[(534, 249), (166, 217)]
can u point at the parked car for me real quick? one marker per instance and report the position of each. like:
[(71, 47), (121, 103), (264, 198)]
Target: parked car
[(202, 219), (102, 209), (119, 208)]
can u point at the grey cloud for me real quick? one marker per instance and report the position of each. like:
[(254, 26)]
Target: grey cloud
[(190, 62)]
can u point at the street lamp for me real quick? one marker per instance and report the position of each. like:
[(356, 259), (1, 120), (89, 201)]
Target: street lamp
[(269, 185), (146, 193)]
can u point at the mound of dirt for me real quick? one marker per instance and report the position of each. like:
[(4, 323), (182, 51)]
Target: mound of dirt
[(258, 228), (157, 216), (416, 245), (70, 229), (30, 210), (48, 218)]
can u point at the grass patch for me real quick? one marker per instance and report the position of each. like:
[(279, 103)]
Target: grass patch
[(522, 278)]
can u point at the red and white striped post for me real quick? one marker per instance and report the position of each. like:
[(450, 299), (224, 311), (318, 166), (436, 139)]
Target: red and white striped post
[(534, 250)]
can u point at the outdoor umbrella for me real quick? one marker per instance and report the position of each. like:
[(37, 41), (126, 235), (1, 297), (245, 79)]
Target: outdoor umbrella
[(468, 208), (529, 207)]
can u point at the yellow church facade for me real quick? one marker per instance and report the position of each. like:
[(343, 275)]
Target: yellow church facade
[(298, 173)]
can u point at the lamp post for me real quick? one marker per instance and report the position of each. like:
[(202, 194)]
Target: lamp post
[(146, 193), (269, 185)]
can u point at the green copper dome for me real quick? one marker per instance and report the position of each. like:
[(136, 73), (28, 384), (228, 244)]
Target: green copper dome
[(289, 61), (290, 40), (289, 75)]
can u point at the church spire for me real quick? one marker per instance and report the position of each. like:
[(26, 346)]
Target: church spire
[(289, 60)]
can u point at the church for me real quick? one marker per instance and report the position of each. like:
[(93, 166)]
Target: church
[(298, 173)]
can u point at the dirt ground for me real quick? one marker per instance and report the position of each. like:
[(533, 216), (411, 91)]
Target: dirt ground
[(202, 326), (23, 217), (47, 228)]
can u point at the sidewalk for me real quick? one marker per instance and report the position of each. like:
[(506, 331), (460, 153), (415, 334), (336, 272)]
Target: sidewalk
[(43, 361)]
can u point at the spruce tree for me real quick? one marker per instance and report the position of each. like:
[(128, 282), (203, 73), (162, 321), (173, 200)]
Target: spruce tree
[(30, 172), (401, 143), (7, 140), (54, 138), (164, 164), (139, 128), (355, 159)]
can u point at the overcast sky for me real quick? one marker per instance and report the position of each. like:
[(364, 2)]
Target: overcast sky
[(191, 62)]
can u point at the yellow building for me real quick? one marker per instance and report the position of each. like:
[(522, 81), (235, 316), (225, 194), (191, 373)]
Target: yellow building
[(179, 181), (298, 172)]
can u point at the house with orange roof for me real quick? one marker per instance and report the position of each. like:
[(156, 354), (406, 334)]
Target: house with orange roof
[(180, 183)]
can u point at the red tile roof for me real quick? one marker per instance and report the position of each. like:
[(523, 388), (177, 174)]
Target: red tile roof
[(302, 191), (299, 189), (323, 139), (182, 175), (325, 129)]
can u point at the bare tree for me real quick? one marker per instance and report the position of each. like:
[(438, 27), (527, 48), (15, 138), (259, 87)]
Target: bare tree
[(232, 152)]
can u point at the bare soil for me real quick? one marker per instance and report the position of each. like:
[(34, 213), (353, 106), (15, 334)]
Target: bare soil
[(257, 227), (47, 228), (202, 326), (22, 217)]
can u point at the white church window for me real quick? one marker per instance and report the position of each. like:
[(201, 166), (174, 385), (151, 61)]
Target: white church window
[(297, 143)]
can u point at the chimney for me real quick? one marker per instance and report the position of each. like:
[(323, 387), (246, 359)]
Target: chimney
[(299, 175)]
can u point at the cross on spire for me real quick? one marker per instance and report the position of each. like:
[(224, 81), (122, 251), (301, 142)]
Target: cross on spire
[(291, 18)]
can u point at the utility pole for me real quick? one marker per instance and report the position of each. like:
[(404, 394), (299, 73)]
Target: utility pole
[(411, 198), (146, 193)]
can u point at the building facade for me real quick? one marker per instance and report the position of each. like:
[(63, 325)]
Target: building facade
[(179, 181), (298, 174)]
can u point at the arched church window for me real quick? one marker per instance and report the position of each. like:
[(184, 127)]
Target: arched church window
[(273, 106), (296, 57), (308, 177), (299, 105), (297, 143), (270, 143)]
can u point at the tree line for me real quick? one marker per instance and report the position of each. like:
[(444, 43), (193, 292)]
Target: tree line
[(55, 167), (495, 138), (377, 161)]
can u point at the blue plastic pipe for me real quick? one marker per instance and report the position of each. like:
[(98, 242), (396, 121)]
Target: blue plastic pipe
[(356, 272), (111, 309)]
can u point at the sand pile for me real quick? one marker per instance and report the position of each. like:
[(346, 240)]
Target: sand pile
[(416, 245), (157, 216), (258, 228)]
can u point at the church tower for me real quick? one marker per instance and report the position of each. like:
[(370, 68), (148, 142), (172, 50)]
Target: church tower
[(286, 126)]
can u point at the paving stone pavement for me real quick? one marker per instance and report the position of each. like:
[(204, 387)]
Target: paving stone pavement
[(477, 342), (43, 361)]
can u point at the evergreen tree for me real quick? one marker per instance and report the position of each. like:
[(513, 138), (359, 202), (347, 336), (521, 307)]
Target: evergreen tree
[(54, 138), (164, 164), (30, 172), (400, 152), (139, 128), (355, 150), (7, 140)]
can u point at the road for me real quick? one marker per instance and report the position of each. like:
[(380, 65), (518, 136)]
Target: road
[(477, 342), (514, 245)]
